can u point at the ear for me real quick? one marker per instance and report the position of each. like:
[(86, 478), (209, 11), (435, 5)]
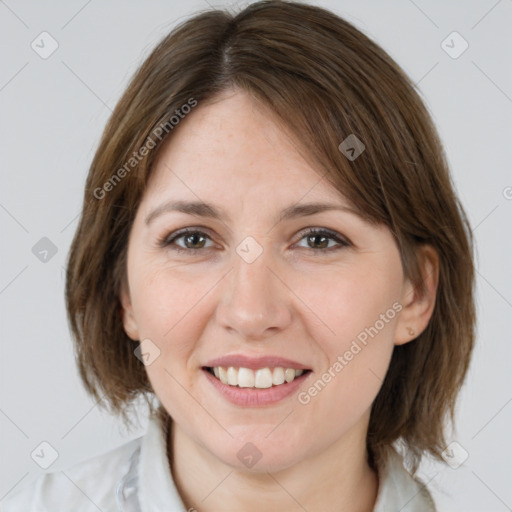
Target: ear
[(129, 323), (418, 305)]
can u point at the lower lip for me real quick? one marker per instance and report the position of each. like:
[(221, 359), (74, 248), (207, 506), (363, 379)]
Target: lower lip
[(254, 397)]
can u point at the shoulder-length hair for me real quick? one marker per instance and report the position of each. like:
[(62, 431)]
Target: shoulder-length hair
[(325, 80)]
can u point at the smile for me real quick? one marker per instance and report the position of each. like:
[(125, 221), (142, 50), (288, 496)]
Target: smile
[(260, 378), (247, 387)]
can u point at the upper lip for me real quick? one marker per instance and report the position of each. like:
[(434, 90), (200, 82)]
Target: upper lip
[(254, 363)]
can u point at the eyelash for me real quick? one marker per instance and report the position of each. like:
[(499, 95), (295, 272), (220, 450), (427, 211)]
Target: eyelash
[(169, 240)]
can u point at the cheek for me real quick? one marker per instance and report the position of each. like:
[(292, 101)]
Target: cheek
[(169, 310), (345, 302), (163, 298), (358, 309)]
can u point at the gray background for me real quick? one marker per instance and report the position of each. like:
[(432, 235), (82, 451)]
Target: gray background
[(52, 114)]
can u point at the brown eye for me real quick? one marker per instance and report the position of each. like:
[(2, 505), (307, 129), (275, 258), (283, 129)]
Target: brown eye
[(318, 241), (322, 240), (191, 240)]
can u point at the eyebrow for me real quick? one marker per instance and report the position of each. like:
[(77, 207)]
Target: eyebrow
[(201, 209)]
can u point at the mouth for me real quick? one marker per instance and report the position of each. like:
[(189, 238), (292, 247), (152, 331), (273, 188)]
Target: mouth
[(254, 380), (260, 378)]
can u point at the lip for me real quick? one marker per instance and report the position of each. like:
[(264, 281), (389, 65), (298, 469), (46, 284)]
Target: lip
[(255, 363), (252, 397)]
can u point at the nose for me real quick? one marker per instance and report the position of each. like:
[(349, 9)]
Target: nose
[(254, 303)]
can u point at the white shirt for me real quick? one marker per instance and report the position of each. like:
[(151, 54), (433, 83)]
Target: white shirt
[(135, 477)]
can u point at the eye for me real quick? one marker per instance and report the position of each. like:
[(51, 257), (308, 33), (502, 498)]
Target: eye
[(319, 239), (192, 240)]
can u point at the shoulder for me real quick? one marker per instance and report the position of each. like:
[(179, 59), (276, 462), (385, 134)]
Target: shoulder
[(398, 490), (89, 485)]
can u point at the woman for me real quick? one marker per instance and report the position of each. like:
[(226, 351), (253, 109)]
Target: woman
[(272, 254)]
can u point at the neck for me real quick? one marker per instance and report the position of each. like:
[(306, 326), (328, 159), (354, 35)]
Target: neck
[(338, 478)]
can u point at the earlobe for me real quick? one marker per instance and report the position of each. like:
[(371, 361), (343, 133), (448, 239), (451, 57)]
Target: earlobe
[(418, 301), (129, 323)]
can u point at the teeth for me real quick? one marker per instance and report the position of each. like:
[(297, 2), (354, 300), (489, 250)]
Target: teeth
[(223, 375), (244, 379), (232, 376), (261, 378), (289, 374), (278, 376)]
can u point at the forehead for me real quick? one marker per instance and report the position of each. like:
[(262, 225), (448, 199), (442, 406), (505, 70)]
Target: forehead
[(234, 145)]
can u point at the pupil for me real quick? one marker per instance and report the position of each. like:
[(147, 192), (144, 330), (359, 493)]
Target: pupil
[(192, 239), (315, 237)]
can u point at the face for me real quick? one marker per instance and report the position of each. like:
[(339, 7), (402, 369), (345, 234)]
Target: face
[(317, 290)]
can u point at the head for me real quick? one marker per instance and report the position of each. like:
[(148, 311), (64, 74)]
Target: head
[(249, 113)]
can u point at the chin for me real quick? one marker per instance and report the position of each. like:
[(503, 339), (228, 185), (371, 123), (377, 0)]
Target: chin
[(257, 452), (249, 458)]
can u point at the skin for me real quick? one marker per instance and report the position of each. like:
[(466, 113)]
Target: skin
[(295, 300)]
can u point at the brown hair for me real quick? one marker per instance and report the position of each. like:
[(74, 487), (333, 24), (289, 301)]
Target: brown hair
[(325, 80)]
